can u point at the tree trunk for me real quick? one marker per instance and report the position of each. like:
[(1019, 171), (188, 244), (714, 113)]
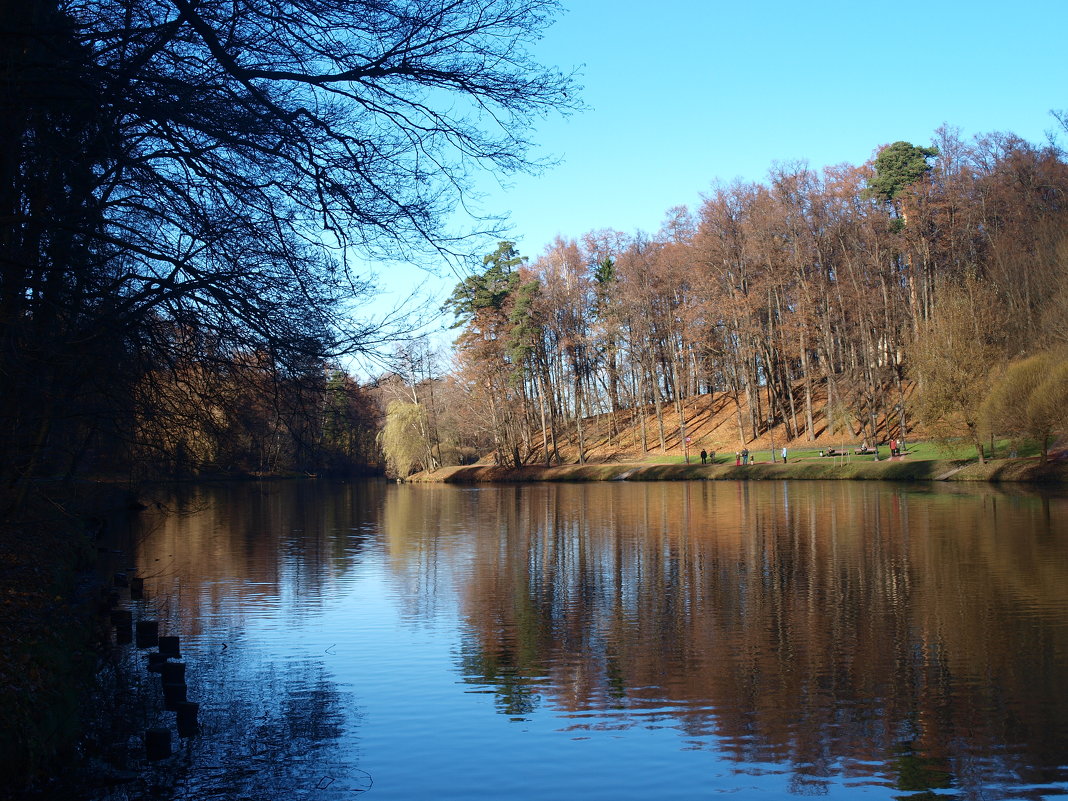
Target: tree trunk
[(659, 418), (741, 422), (578, 420), (544, 422), (974, 431), (682, 417)]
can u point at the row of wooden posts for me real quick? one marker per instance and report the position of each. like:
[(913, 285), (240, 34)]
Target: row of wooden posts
[(144, 634)]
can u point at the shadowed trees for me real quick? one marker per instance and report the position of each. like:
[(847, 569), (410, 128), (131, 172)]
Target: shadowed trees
[(186, 181)]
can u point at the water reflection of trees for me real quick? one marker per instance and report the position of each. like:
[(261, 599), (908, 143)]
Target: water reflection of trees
[(270, 734), (913, 637), (265, 734), (272, 726), (213, 552)]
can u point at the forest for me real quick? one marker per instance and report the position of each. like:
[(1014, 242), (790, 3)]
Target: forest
[(942, 268)]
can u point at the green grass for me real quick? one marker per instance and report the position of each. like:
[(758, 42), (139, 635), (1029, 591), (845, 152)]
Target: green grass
[(924, 461), (917, 451), (764, 455)]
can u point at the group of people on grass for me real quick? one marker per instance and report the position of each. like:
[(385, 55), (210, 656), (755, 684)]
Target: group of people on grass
[(896, 448), (742, 457)]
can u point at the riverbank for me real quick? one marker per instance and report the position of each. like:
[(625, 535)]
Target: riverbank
[(48, 653), (51, 631), (903, 469)]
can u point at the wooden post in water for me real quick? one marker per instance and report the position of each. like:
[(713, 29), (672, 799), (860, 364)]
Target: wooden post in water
[(137, 588), (156, 661), (158, 743), (169, 647), (173, 694), (172, 672), (147, 633), (121, 617), (187, 718), (122, 620)]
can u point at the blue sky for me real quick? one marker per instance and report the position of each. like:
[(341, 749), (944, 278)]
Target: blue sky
[(683, 94)]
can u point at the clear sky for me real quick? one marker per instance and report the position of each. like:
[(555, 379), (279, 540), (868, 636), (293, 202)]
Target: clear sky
[(684, 93)]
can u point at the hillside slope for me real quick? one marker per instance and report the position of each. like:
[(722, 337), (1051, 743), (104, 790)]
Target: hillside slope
[(712, 423)]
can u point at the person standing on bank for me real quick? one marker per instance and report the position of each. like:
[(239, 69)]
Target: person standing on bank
[(784, 454), (704, 455)]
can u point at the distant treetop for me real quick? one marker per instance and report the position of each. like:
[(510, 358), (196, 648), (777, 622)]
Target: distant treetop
[(897, 166)]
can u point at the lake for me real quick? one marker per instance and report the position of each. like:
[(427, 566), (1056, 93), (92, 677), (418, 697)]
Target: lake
[(672, 640)]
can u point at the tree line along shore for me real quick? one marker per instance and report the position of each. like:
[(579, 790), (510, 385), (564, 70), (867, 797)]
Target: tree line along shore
[(924, 288), (615, 448)]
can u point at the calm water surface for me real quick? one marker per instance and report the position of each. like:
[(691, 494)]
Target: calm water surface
[(616, 640)]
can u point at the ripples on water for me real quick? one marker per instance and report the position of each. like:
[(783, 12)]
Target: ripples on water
[(666, 641)]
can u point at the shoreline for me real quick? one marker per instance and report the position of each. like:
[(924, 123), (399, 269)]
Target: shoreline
[(1024, 471), (53, 624)]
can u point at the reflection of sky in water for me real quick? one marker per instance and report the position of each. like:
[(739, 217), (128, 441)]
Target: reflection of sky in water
[(431, 735), (400, 641)]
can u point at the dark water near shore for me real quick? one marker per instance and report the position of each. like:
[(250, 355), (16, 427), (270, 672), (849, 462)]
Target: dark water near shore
[(616, 641)]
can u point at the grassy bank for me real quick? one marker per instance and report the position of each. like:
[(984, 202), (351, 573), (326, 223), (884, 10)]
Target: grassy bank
[(997, 470)]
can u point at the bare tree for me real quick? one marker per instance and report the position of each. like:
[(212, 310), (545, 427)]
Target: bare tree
[(216, 166)]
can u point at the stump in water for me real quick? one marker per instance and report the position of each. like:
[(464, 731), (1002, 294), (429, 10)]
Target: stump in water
[(172, 672), (121, 617), (187, 718), (122, 620), (169, 647), (158, 743), (147, 633), (173, 694), (137, 588), (156, 662)]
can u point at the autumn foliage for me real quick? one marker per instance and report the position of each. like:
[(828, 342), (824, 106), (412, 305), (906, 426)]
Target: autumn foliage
[(809, 302)]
